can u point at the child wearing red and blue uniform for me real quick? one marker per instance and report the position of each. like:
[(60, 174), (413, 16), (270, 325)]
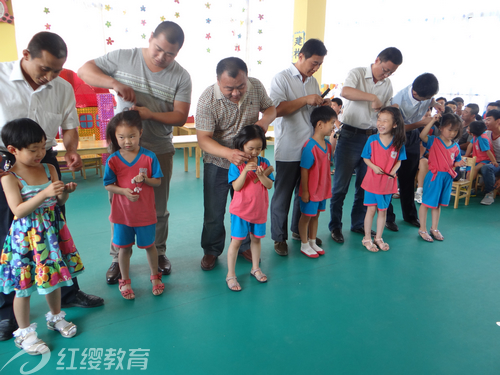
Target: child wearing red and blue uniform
[(481, 146)]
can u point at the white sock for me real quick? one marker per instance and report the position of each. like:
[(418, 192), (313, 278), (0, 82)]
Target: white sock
[(314, 246), (307, 249), (54, 318), (420, 190)]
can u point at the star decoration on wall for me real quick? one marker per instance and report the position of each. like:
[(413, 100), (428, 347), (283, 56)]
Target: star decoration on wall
[(259, 62), (47, 26), (143, 36), (208, 5), (208, 50), (162, 18), (239, 36), (143, 8), (177, 15), (208, 36), (261, 17), (46, 10), (260, 31), (243, 10), (241, 23), (259, 48), (107, 7), (108, 24), (209, 20), (143, 23), (109, 41)]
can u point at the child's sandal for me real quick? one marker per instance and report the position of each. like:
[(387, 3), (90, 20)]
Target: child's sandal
[(128, 293), (369, 245), (27, 340), (425, 236), (258, 277), (381, 244), (159, 288), (66, 329), (436, 234), (232, 283)]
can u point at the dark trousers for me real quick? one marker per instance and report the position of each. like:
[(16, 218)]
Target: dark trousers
[(286, 183), (215, 190), (406, 179), (6, 217)]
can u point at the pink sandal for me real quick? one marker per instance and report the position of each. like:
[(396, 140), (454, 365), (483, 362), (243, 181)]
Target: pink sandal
[(127, 292), (159, 287), (436, 234), (384, 246)]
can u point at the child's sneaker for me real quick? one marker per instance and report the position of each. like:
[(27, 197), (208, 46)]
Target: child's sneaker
[(307, 250), (488, 199), (418, 197)]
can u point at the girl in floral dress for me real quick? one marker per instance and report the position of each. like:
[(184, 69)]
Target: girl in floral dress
[(39, 253)]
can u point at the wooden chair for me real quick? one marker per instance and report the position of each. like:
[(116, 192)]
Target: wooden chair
[(91, 161), (461, 189)]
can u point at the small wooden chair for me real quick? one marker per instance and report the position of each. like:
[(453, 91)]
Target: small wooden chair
[(461, 189), (91, 161)]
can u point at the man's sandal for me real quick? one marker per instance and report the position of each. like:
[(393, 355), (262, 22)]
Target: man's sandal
[(159, 288), (258, 277), (436, 234), (59, 324), (381, 244), (27, 340), (127, 294), (369, 245), (425, 236), (232, 283)]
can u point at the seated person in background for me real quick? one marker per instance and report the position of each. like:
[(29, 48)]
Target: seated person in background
[(460, 104), (453, 105), (480, 146), (468, 115), (336, 104), (442, 100), (489, 171)]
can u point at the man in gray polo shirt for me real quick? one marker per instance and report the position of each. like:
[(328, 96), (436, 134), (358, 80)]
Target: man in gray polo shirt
[(150, 81), (367, 90)]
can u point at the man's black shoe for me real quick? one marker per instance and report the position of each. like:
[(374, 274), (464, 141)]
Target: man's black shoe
[(82, 299), (391, 225), (337, 235)]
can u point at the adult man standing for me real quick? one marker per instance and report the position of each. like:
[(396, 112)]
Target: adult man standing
[(295, 93), (468, 115), (32, 88), (161, 91), (489, 171), (223, 109), (413, 102), (367, 90)]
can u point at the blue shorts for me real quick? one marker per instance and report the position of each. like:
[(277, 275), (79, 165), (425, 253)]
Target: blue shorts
[(312, 208), (124, 236), (438, 192), (382, 201), (240, 228)]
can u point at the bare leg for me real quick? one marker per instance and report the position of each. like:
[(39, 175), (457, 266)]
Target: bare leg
[(22, 311), (232, 254), (370, 214), (382, 214), (435, 213), (255, 248), (313, 227), (423, 168), (152, 255), (303, 227), (422, 215), (54, 301), (124, 261)]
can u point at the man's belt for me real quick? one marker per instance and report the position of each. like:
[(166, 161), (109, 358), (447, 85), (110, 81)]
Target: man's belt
[(354, 130)]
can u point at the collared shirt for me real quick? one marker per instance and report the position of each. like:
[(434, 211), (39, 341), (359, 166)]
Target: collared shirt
[(217, 114), (293, 130), (52, 105), (360, 113), (412, 111)]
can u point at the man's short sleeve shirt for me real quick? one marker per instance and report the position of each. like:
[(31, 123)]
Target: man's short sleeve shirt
[(225, 119)]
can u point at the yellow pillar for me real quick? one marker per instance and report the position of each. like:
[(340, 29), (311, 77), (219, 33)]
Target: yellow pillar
[(8, 49), (308, 23)]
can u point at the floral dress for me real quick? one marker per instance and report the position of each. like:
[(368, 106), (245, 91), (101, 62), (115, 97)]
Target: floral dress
[(39, 253)]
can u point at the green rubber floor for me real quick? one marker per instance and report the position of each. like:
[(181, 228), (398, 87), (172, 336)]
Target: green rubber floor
[(419, 308)]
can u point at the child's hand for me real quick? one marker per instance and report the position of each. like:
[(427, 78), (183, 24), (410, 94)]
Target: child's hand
[(54, 189), (259, 171), (436, 117), (495, 164), (461, 163), (130, 195), (70, 187), (377, 169), (250, 166), (305, 197), (140, 178)]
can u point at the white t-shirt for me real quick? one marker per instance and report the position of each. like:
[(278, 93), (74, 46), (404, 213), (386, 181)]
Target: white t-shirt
[(495, 144)]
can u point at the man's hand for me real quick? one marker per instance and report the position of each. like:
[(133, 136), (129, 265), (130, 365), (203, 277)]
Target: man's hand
[(237, 157), (144, 112), (124, 91), (314, 100), (439, 107), (377, 104), (73, 160)]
